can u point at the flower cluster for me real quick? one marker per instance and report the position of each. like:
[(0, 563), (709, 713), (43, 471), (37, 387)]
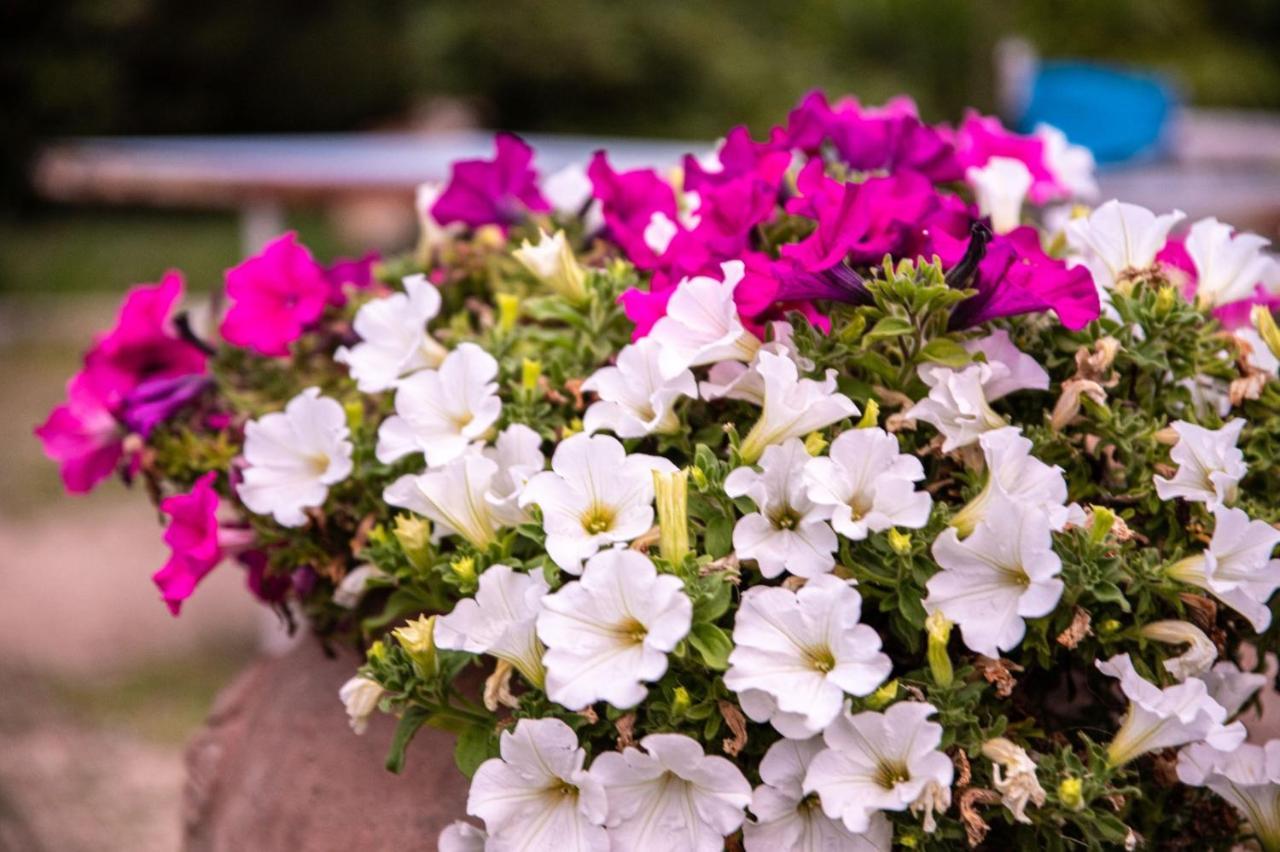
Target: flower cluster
[(850, 489)]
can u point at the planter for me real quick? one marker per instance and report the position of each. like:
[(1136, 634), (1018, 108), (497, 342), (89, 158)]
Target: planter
[(276, 767)]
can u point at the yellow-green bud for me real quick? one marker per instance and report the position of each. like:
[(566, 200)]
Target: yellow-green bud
[(900, 541), (414, 536), (553, 263), (417, 637), (814, 443), (870, 415), (377, 652), (881, 698), (680, 702), (939, 629), (671, 495), (700, 480), (530, 373), (464, 569), (355, 414), (1265, 323), (1108, 625), (1165, 299), (1103, 520), (1071, 793), (573, 427), (508, 311)]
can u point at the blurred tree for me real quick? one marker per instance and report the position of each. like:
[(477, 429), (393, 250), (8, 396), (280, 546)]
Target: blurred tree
[(663, 67)]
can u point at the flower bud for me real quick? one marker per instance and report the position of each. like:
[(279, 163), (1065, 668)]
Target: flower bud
[(413, 533), (552, 261), (508, 311), (871, 416), (1265, 323), (377, 652), (680, 701), (1166, 297), (671, 493), (883, 696), (465, 570), (355, 414), (939, 629), (814, 443), (1103, 520), (417, 637), (530, 373), (1200, 655), (1071, 793), (360, 696), (700, 480), (900, 541)]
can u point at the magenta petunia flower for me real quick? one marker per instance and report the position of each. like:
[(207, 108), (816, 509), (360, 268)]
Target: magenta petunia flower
[(85, 434), (1016, 277), (890, 138), (350, 273), (196, 542), (628, 202), (981, 137), (82, 436), (275, 295), (860, 222), (500, 191), (143, 345)]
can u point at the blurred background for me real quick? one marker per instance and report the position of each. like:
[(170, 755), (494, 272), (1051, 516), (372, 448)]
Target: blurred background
[(99, 687)]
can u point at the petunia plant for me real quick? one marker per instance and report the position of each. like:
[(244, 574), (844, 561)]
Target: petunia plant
[(853, 489)]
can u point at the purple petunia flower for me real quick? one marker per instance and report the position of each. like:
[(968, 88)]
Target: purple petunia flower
[(153, 402)]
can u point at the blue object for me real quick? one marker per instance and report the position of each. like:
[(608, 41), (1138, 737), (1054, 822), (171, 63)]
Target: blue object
[(1117, 114)]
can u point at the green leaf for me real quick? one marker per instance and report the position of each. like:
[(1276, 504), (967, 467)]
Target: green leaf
[(410, 722), (710, 606), (720, 537), (944, 351), (475, 745), (889, 327), (713, 644)]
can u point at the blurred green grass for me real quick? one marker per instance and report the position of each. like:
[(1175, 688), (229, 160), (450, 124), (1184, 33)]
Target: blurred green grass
[(66, 251)]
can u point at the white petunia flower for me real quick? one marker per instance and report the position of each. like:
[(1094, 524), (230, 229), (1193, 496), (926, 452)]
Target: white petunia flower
[(636, 399), (1248, 777), (457, 498), (432, 234), (1164, 718), (351, 589), (394, 339), (1231, 687), (1229, 265), (1000, 188), (1013, 775), (880, 762), (459, 836), (702, 325), (1072, 166), (594, 495), (671, 796), (1011, 368), (1119, 240), (793, 407), (518, 454), (1237, 568), (1210, 465), (957, 405), (788, 532), (1015, 476), (294, 456), (552, 262), (1003, 573), (806, 649), (537, 796), (500, 621), (567, 190), (1200, 653), (610, 632), (443, 412), (787, 819), (866, 485), (360, 696), (1260, 356), (736, 380)]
